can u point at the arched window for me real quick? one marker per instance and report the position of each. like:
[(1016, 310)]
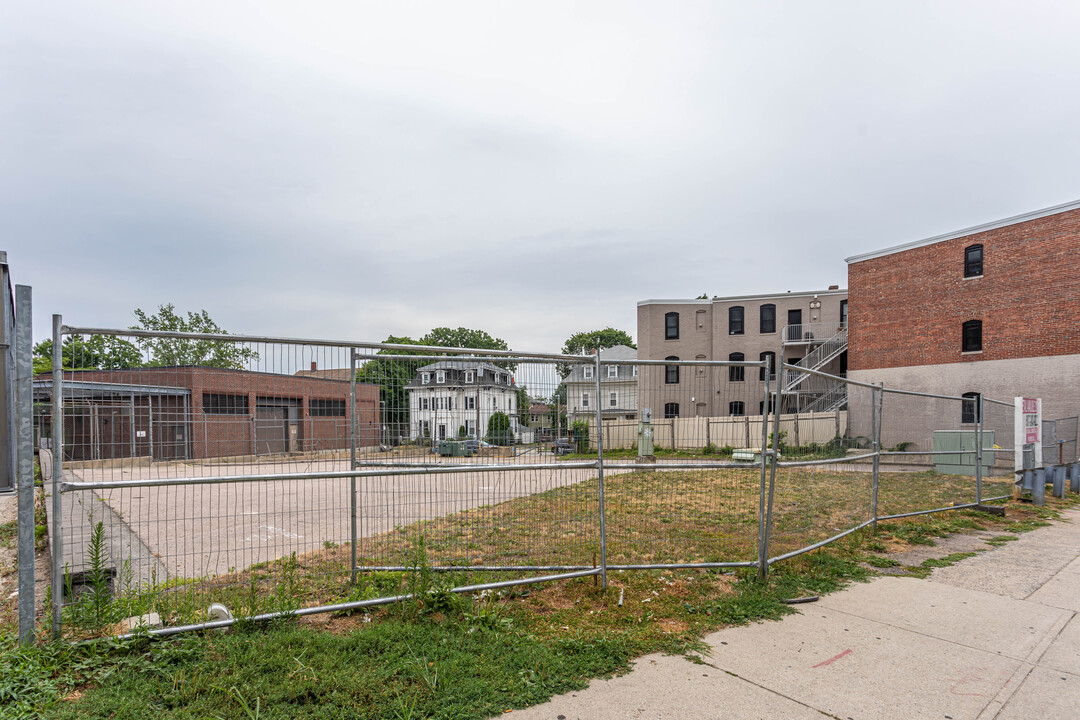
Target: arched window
[(671, 372), (771, 356), (736, 374), (973, 261), (735, 320), (671, 410), (768, 318), (969, 408), (671, 326), (972, 338)]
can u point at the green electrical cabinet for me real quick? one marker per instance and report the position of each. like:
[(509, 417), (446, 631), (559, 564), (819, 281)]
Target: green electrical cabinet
[(962, 441)]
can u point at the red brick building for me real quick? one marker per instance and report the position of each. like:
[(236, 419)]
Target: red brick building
[(173, 413), (992, 309)]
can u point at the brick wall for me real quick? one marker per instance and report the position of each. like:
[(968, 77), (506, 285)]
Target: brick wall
[(908, 308)]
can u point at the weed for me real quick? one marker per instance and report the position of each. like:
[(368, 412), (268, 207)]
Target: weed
[(881, 562)]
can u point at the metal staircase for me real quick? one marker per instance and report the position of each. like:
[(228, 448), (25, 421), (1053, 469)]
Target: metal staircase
[(817, 358), (809, 392)]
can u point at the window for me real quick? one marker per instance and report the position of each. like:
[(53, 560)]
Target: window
[(470, 428), (737, 407), (635, 371), (494, 403), (584, 399), (324, 407), (972, 341), (771, 357), (736, 374), (470, 403), (440, 376), (671, 326), (423, 404), (761, 406), (671, 372), (217, 404), (470, 376), (768, 318), (973, 261), (843, 313), (735, 320), (588, 371), (425, 378), (613, 399), (969, 408), (613, 371), (671, 410)]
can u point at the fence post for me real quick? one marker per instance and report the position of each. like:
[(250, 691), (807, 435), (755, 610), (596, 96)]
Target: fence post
[(876, 396), (765, 506), (979, 452), (600, 475), (24, 397), (352, 465), (56, 540)]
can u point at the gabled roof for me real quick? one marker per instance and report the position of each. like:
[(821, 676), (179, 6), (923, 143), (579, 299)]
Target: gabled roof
[(994, 225)]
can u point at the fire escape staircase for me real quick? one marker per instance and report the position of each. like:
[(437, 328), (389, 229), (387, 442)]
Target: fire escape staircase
[(816, 393)]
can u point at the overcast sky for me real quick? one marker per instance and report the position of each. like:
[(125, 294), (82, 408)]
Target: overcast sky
[(347, 170)]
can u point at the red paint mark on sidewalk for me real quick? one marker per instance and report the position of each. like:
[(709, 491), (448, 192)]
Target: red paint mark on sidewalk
[(833, 659)]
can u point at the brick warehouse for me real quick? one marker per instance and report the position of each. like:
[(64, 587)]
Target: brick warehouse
[(172, 413), (992, 309)]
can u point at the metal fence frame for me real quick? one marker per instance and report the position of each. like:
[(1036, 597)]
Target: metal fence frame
[(767, 467)]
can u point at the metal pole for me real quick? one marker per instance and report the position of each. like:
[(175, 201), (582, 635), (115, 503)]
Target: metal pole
[(600, 475), (56, 541), (763, 514), (24, 392), (876, 395), (352, 466), (979, 450)]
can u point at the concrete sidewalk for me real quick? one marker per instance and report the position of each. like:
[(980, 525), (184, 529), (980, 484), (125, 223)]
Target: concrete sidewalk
[(995, 636)]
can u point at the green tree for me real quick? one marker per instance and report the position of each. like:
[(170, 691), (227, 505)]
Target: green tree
[(499, 431), (98, 352), (184, 351), (583, 343), (391, 375), (579, 431), (467, 338)]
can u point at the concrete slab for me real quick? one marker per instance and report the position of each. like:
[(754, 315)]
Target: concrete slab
[(1045, 694), (1064, 652), (1014, 575), (1062, 591), (1073, 567), (847, 666), (950, 613), (670, 688)]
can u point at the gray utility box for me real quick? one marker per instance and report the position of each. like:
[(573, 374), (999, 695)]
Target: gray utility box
[(963, 441)]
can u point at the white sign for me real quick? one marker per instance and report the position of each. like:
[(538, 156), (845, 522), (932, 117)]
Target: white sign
[(140, 433), (1028, 423)]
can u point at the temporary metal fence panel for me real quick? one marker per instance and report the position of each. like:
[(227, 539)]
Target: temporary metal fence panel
[(1059, 441)]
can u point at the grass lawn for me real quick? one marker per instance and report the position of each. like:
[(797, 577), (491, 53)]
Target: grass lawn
[(451, 656)]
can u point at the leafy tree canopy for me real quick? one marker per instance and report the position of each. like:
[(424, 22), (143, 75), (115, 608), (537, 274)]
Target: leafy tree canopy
[(463, 338), (182, 351), (99, 352)]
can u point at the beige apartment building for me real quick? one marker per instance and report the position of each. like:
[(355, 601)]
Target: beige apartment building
[(807, 328)]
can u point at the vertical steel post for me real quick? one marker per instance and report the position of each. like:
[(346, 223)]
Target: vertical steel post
[(767, 476), (352, 464), (56, 540), (876, 397), (600, 474), (24, 398), (979, 451)]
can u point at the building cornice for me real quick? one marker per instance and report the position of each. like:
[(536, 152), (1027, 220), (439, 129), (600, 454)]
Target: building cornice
[(732, 298), (994, 225)]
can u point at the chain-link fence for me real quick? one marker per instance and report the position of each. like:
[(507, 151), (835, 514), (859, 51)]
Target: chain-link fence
[(271, 475)]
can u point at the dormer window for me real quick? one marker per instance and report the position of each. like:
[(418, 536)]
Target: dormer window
[(588, 371), (425, 378), (470, 376), (613, 371), (440, 376)]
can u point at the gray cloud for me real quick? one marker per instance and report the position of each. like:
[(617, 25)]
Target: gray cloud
[(356, 171)]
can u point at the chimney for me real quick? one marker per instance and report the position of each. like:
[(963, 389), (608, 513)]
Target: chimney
[(834, 287), (314, 366)]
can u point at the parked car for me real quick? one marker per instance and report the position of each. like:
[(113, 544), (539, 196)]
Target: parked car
[(475, 445), (562, 446)]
